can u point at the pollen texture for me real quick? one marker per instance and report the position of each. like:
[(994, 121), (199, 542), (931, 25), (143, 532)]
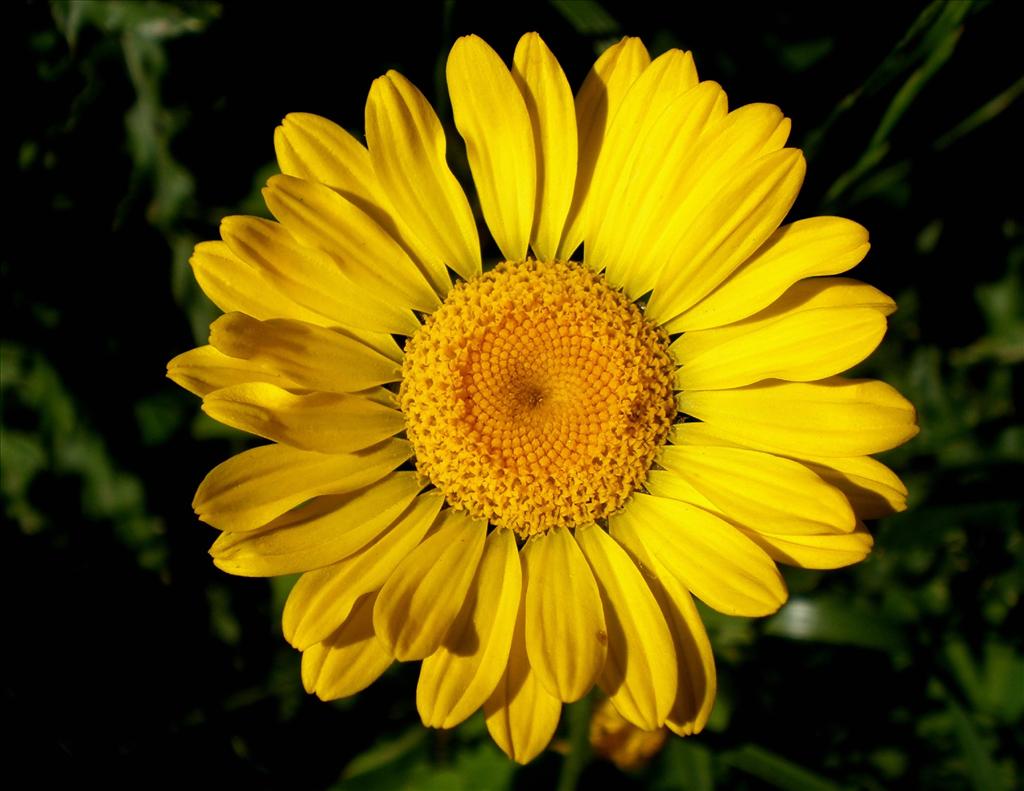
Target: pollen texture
[(537, 396)]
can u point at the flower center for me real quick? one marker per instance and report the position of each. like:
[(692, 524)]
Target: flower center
[(537, 396)]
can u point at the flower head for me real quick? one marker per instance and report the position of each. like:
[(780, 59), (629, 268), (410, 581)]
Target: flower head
[(522, 477)]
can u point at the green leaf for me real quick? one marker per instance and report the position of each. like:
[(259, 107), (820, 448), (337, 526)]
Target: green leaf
[(685, 765), (910, 89), (223, 621), (158, 416), (996, 685), (66, 446), (983, 115), (22, 457), (404, 764), (153, 19), (937, 19), (965, 671), (1004, 681), (386, 762), (930, 43), (1002, 302), (587, 17), (800, 56), (484, 766), (981, 769), (776, 770), (830, 620)]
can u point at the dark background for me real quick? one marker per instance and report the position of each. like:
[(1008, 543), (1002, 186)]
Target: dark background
[(133, 127)]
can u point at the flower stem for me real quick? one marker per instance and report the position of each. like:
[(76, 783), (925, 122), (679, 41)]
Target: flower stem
[(579, 744)]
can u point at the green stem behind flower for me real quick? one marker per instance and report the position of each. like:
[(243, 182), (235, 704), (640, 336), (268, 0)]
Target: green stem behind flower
[(578, 715)]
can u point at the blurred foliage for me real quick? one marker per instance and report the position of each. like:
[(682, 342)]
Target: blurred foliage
[(137, 662)]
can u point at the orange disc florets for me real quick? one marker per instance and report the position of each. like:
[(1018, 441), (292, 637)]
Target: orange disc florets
[(537, 396)]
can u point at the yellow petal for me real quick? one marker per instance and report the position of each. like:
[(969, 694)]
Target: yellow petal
[(806, 248), (801, 347), (307, 356), (457, 678), (382, 342), (320, 533), (668, 77), (313, 148), (233, 284), (823, 551), (596, 104), (766, 493), (824, 292), (205, 369), (566, 635), (311, 278), (323, 599), (697, 681), (693, 433), (732, 142), (491, 116), (662, 483), (349, 660), (813, 294), (553, 119), (422, 598), (407, 148), (640, 676), (730, 226), (833, 417), (729, 144), (324, 422), (312, 662), (521, 715), (872, 488), (249, 490), (646, 197), (324, 220), (777, 139), (709, 556)]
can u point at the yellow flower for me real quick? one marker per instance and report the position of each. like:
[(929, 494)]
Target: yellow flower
[(614, 737), (524, 490)]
